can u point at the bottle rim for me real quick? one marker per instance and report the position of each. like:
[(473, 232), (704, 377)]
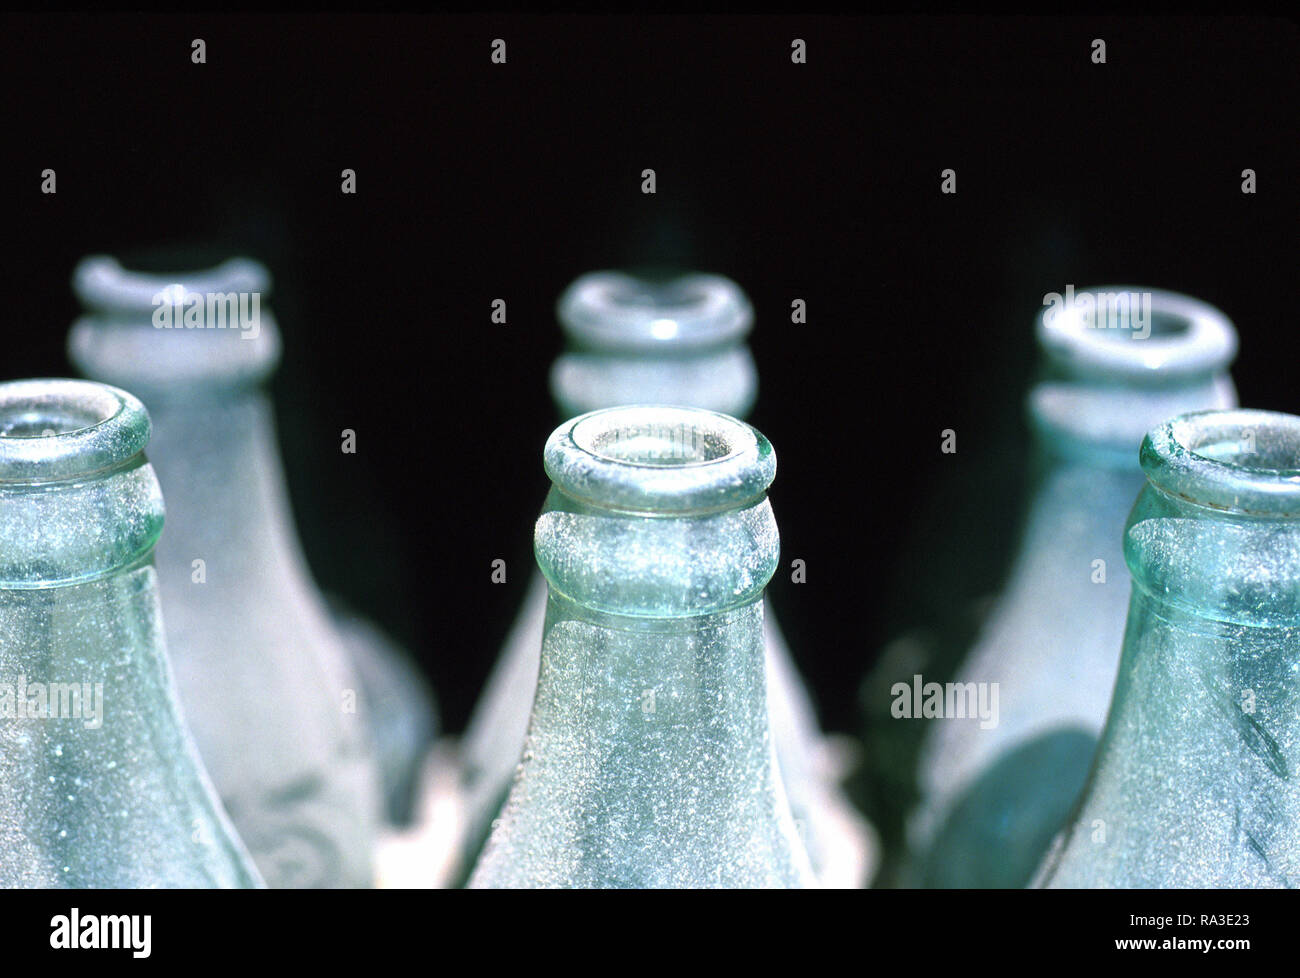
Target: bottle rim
[(139, 331), (660, 459), (618, 311), (1238, 460), (57, 428), (102, 283), (1184, 335)]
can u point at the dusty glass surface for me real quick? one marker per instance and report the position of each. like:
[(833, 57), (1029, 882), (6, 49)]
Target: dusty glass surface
[(996, 787), (100, 784), (267, 685), (648, 760), (1195, 778), (670, 339)]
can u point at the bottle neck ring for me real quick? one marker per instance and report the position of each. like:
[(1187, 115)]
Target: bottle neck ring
[(180, 332), (1240, 462), (1134, 335), (660, 460), (57, 430), (615, 312), (1119, 360)]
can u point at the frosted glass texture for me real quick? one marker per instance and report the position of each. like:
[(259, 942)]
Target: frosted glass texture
[(648, 760), (1195, 778), (666, 339), (100, 784)]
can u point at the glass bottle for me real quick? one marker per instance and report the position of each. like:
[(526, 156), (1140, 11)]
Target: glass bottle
[(648, 760), (267, 686), (996, 784), (100, 784), (1195, 778), (658, 339), (400, 707)]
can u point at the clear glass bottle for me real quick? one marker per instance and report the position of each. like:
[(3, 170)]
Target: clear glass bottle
[(267, 686), (995, 789), (648, 760), (100, 784), (400, 707), (658, 339), (1195, 777)]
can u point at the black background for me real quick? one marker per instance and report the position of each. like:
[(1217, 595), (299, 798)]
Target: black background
[(817, 181)]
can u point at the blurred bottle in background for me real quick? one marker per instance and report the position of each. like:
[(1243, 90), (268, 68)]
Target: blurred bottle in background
[(1014, 730), (400, 707), (269, 688)]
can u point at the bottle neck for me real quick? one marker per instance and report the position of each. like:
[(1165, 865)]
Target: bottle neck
[(723, 380), (683, 673), (1101, 423), (228, 504), (174, 333), (173, 362), (78, 500)]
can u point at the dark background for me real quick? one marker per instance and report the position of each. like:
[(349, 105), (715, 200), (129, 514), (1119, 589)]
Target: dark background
[(817, 181)]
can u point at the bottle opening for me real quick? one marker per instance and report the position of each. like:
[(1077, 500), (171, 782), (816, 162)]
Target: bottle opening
[(43, 420), (660, 458), (632, 293), (57, 429), (169, 335), (103, 284), (1241, 461), (1126, 327), (617, 311), (652, 442), (1133, 333)]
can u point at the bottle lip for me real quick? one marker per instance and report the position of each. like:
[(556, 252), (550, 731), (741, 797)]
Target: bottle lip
[(1106, 421), (53, 429), (102, 283), (1239, 461), (1190, 337), (660, 459), (723, 379), (138, 332), (617, 311)]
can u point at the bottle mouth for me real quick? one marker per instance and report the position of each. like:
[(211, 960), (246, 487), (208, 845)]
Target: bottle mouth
[(58, 429), (1239, 461), (660, 459), (615, 311), (170, 334), (102, 284), (1134, 333)]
